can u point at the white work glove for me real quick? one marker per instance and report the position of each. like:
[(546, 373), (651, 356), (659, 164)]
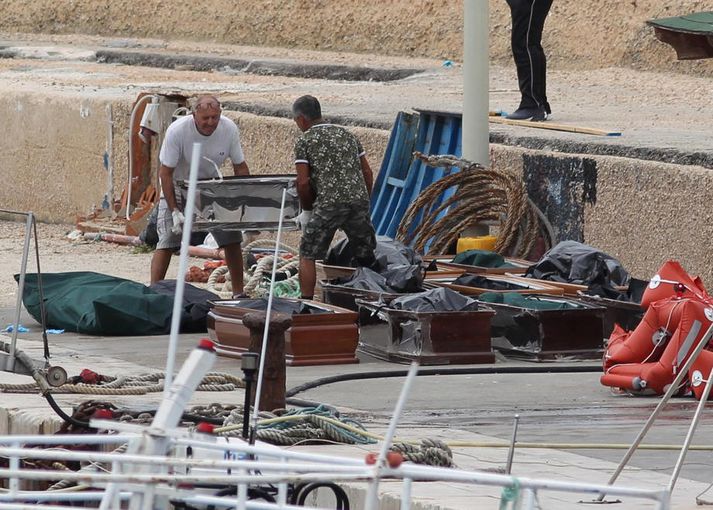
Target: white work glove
[(178, 221), (303, 219)]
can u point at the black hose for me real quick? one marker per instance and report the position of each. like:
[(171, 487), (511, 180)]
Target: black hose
[(25, 360), (301, 493), (553, 369), (69, 419)]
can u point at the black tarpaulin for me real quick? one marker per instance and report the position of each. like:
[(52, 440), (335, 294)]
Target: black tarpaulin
[(396, 279), (195, 304), (388, 253), (435, 300), (481, 258), (573, 262)]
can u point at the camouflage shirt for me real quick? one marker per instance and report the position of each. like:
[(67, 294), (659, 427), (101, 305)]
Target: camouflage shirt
[(333, 155)]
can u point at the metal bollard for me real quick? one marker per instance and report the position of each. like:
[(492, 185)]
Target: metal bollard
[(275, 371)]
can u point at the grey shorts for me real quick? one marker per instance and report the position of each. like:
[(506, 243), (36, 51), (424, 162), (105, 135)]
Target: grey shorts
[(167, 240)]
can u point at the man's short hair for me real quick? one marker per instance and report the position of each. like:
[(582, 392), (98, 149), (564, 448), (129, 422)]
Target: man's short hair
[(308, 106)]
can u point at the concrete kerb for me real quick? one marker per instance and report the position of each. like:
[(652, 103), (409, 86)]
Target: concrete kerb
[(263, 67)]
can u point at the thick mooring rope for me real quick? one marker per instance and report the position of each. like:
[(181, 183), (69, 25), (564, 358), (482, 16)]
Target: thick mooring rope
[(481, 195), (431, 452), (254, 277), (131, 385), (300, 425)]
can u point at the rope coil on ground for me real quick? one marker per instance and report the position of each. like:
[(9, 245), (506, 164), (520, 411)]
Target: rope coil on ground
[(431, 452), (300, 425), (480, 195), (131, 385), (255, 276)]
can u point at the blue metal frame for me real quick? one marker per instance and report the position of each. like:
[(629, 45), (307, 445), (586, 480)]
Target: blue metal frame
[(401, 178)]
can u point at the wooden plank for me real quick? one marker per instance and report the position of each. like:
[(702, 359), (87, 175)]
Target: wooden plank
[(553, 126)]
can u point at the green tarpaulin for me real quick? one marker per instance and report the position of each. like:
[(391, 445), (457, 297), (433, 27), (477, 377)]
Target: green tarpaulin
[(526, 301), (696, 23), (481, 258), (98, 304)]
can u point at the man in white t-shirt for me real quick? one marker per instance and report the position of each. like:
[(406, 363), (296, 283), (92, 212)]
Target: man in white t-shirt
[(220, 140)]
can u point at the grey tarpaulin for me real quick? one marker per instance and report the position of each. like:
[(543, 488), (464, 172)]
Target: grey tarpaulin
[(388, 253), (398, 279), (574, 262), (435, 300)]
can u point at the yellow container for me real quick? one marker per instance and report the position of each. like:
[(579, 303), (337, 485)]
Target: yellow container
[(476, 243)]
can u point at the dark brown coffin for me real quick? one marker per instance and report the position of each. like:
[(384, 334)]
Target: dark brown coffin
[(549, 334), (345, 297), (431, 338), (313, 339), (625, 313)]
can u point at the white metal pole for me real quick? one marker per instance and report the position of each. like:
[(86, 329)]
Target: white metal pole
[(268, 313), (10, 366), (475, 134), (691, 431), (372, 495), (182, 266)]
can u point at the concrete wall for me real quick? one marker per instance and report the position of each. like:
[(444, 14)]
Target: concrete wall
[(268, 142), (54, 161), (52, 154), (641, 212)]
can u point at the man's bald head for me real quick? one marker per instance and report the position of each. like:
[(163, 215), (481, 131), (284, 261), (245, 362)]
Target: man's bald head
[(207, 102), (206, 114)]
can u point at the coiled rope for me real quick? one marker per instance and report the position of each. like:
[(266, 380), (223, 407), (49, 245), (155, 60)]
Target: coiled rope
[(481, 195), (432, 452), (255, 276), (131, 385), (300, 425)]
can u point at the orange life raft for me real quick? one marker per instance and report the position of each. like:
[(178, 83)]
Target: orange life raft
[(678, 315)]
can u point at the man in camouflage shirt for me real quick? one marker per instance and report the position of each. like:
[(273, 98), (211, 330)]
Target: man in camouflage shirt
[(334, 183)]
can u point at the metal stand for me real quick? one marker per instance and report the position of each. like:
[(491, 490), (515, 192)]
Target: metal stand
[(55, 376), (673, 388), (248, 364), (511, 450)]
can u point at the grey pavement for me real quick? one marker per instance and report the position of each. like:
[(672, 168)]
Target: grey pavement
[(553, 408)]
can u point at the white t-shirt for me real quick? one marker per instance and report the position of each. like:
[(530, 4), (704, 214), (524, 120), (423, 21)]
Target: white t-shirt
[(177, 147)]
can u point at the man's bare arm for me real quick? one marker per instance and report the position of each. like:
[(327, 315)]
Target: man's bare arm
[(241, 169), (165, 175), (304, 189), (367, 173)]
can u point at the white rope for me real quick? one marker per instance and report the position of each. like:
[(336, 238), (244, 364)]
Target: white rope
[(254, 276)]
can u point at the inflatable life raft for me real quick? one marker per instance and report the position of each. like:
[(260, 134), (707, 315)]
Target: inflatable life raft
[(678, 315)]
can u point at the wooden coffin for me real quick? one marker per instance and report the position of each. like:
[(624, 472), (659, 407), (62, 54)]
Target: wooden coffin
[(518, 284), (444, 263), (345, 297), (431, 338), (548, 334), (329, 272), (313, 339), (625, 313)]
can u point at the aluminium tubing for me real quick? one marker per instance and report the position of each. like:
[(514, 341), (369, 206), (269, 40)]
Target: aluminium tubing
[(43, 386), (489, 370)]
